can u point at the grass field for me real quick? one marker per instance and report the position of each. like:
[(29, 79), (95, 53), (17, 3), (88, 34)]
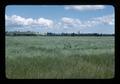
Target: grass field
[(42, 57)]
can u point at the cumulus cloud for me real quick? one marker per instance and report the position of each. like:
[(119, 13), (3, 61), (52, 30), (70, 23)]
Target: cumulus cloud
[(45, 22), (19, 22), (84, 7), (70, 22), (15, 20), (108, 19), (73, 22)]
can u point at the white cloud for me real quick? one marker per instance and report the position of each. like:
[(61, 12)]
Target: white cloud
[(104, 20), (84, 7), (70, 22), (108, 19), (6, 17), (67, 20), (15, 20), (19, 22), (45, 22), (73, 22)]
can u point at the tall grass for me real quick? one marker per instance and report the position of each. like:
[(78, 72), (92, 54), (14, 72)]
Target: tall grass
[(59, 57)]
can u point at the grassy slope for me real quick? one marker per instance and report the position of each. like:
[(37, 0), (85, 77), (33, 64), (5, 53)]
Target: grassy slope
[(59, 57)]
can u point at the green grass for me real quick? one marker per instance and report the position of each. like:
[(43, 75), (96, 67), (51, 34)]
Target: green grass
[(58, 57)]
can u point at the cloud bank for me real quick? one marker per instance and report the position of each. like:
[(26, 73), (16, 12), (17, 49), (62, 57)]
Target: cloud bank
[(109, 19), (16, 21), (105, 20), (84, 7)]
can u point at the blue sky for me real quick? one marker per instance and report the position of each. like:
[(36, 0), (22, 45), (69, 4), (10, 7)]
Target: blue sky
[(60, 18)]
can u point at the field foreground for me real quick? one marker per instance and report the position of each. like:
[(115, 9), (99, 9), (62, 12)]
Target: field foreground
[(59, 57)]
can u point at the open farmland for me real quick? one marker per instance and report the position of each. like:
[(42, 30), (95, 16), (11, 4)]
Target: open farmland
[(59, 57)]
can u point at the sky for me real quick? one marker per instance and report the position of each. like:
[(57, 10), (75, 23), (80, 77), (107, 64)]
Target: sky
[(60, 18)]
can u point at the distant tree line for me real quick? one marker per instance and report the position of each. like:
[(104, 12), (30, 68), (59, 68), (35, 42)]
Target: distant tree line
[(18, 33), (29, 33), (78, 34)]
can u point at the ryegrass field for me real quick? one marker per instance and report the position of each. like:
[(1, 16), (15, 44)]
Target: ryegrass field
[(60, 57)]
